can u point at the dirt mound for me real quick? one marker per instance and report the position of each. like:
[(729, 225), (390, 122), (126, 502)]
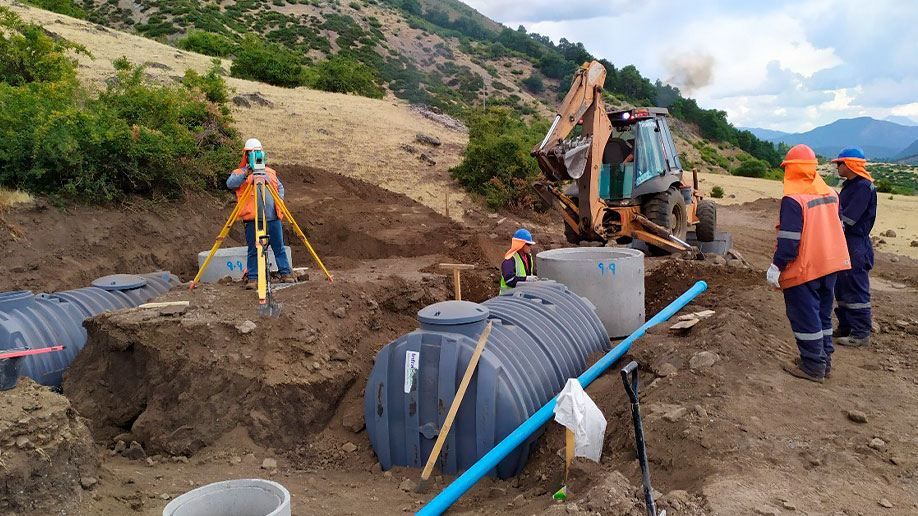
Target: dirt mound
[(46, 452), (178, 381)]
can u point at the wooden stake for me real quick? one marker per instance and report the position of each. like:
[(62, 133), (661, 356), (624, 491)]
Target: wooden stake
[(446, 210), (457, 284), (453, 408)]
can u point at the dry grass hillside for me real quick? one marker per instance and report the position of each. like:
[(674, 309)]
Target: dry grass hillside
[(355, 136)]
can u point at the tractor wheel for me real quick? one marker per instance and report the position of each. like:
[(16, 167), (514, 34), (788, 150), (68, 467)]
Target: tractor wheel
[(667, 209), (706, 229)]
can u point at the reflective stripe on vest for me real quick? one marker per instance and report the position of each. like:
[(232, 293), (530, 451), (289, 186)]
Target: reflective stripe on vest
[(823, 249), (248, 209), (520, 273)]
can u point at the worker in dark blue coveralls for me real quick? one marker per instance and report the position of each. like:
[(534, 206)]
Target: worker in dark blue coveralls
[(518, 265), (858, 199), (810, 251)]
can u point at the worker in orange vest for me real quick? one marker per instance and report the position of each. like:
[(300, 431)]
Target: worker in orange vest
[(253, 158), (809, 253)]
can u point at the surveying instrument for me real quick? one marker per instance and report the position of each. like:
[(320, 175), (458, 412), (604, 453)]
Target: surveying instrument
[(260, 187)]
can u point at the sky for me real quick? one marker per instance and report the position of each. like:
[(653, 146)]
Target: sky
[(779, 64)]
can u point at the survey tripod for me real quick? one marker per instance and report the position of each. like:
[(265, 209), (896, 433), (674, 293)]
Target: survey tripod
[(261, 188)]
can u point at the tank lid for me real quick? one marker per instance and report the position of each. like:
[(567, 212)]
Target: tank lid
[(453, 312), (120, 282), (17, 299)]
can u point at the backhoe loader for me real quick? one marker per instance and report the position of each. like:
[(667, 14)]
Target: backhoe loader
[(627, 178)]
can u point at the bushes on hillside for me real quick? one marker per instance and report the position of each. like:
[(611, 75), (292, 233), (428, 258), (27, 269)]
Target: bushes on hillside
[(345, 75), (258, 60), (57, 138), (534, 83), (752, 168), (65, 7), (496, 163), (207, 43)]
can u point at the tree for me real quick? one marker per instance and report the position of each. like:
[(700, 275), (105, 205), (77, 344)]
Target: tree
[(534, 83), (268, 62), (752, 168), (346, 75)]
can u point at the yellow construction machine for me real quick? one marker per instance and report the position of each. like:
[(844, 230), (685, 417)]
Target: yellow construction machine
[(626, 181)]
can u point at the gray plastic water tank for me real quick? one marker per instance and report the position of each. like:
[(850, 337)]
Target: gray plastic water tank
[(241, 497), (542, 334), (231, 261), (611, 278), (29, 321)]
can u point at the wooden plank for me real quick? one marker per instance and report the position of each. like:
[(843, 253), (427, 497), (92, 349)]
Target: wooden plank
[(164, 303), (460, 266)]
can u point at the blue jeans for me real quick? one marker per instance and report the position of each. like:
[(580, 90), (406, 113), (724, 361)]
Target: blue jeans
[(276, 234)]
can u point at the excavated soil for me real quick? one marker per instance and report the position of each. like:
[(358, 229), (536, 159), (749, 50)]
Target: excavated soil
[(47, 454), (728, 432)]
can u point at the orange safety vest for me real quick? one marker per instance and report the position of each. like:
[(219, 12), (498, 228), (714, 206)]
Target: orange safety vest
[(248, 209), (823, 249)]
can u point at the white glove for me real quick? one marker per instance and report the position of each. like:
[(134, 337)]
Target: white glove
[(772, 275), (531, 278)]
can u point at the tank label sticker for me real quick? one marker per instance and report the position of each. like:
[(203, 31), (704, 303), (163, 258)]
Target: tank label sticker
[(412, 360)]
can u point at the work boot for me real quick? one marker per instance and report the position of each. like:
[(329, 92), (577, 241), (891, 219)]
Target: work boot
[(841, 332), (287, 278), (795, 370), (251, 285), (798, 361), (853, 342)]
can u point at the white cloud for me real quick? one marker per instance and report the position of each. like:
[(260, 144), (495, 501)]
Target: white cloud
[(779, 64)]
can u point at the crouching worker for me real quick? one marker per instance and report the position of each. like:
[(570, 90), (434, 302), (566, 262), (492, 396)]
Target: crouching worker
[(858, 199), (253, 159), (518, 264), (809, 253)]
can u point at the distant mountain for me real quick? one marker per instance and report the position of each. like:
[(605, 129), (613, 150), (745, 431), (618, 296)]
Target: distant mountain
[(878, 138), (909, 154), (764, 134), (901, 120)]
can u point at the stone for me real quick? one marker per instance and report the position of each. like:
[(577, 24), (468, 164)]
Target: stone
[(675, 415), (245, 327), (376, 468), (895, 259), (736, 264), (703, 359), (720, 260), (120, 446), (165, 496), (519, 501), (353, 419), (497, 492), (885, 503), (889, 233), (914, 243), (408, 485), (877, 444), (269, 463), (340, 312), (666, 369), (235, 459), (788, 505), (427, 159), (857, 416), (427, 139), (135, 451), (349, 448), (701, 412), (88, 482), (766, 510)]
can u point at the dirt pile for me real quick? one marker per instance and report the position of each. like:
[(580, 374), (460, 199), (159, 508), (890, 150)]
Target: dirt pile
[(177, 380), (46, 452)]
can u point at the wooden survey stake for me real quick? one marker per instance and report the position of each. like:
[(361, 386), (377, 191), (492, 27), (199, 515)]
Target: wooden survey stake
[(457, 282)]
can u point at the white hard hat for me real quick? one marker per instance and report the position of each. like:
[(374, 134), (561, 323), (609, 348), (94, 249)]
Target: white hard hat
[(252, 144)]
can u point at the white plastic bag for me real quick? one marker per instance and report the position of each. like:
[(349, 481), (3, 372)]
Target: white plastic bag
[(577, 412)]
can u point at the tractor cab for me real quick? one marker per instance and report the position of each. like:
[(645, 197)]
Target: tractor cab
[(639, 157)]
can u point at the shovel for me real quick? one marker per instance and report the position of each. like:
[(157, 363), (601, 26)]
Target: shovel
[(631, 387)]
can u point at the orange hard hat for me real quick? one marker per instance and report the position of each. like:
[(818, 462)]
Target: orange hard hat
[(799, 153)]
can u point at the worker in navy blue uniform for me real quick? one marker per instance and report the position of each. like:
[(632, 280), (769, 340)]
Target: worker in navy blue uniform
[(858, 199), (809, 253), (518, 265)]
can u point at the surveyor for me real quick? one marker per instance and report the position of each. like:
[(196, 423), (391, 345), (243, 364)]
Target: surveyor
[(518, 264), (809, 254), (252, 155), (858, 199)]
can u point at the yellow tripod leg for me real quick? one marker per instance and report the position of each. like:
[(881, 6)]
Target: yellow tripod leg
[(222, 236), (296, 228), (261, 229)]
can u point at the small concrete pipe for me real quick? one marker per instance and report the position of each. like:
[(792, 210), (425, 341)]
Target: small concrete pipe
[(611, 278), (242, 497)]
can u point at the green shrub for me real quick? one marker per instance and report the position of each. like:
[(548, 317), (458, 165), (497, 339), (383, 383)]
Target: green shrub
[(774, 174), (345, 75), (711, 156), (717, 192), (752, 168), (496, 163), (65, 7), (355, 6), (28, 55), (884, 186), (59, 139), (534, 84), (206, 43), (258, 60)]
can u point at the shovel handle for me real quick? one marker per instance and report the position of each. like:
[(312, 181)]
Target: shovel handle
[(631, 384)]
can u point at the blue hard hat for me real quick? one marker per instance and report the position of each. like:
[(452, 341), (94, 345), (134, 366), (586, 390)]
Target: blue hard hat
[(853, 152), (524, 235)]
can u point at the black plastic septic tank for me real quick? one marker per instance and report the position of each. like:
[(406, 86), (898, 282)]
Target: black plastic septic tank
[(542, 334)]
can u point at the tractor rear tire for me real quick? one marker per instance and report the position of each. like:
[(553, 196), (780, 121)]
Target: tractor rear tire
[(706, 229), (667, 209)]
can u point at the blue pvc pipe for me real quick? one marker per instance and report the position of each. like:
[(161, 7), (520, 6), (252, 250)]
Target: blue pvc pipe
[(489, 461)]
